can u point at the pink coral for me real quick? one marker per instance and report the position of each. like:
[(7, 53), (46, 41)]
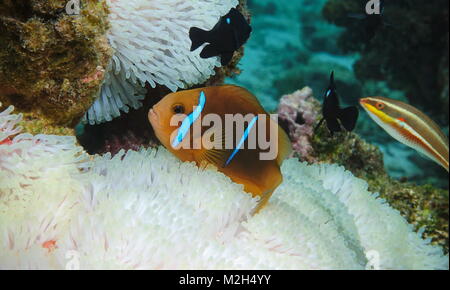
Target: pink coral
[(298, 113)]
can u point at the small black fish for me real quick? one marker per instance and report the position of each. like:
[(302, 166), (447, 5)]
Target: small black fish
[(229, 34), (335, 117)]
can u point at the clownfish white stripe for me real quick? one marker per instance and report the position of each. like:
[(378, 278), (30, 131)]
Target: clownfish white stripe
[(189, 121)]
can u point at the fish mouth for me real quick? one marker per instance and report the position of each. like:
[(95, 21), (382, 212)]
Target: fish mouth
[(363, 101)]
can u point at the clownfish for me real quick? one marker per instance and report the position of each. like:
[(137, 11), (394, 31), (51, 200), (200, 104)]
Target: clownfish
[(226, 127), (409, 126)]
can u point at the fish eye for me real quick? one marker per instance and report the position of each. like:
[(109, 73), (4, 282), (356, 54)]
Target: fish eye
[(380, 106), (178, 109)]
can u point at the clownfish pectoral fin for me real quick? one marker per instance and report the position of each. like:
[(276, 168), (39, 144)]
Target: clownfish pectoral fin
[(349, 117), (198, 37), (216, 157)]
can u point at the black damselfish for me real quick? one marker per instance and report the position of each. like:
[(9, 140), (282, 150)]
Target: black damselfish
[(229, 34), (335, 117)]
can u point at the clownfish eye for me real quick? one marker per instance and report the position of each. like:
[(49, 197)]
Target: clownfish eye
[(380, 106), (178, 109)]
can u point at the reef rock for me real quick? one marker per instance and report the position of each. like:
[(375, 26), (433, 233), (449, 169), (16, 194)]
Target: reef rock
[(52, 63), (297, 115)]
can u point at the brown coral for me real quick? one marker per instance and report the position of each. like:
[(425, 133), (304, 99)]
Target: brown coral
[(51, 62)]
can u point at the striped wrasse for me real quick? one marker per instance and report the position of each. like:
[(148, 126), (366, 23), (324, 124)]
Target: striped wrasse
[(409, 126)]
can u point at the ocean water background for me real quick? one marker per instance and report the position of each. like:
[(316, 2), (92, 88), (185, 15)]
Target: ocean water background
[(293, 46)]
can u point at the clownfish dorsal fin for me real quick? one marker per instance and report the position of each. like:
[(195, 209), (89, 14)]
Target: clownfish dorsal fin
[(284, 146), (244, 95)]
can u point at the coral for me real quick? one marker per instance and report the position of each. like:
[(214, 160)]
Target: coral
[(407, 46), (423, 206), (35, 124), (52, 63), (138, 209), (151, 45), (297, 115)]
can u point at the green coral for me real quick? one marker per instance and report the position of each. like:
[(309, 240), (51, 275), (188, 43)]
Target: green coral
[(423, 206), (52, 63), (407, 46), (36, 125)]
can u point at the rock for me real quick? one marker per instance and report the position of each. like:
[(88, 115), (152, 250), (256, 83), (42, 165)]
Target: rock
[(51, 63)]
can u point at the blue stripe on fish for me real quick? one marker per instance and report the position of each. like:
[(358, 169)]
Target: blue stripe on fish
[(244, 137), (189, 121)]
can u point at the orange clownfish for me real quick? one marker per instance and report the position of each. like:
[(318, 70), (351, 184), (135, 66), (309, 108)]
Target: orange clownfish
[(226, 127)]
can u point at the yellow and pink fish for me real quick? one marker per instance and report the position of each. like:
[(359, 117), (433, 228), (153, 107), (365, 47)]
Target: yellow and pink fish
[(409, 126)]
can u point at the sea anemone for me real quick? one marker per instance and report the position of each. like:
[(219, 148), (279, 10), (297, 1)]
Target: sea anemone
[(8, 124), (152, 45), (147, 210)]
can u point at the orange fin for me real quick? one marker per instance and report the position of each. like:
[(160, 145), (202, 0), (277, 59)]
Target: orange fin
[(245, 95), (284, 146), (217, 155)]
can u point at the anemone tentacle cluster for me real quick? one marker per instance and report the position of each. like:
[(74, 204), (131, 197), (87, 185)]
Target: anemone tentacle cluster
[(144, 209), (152, 45)]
